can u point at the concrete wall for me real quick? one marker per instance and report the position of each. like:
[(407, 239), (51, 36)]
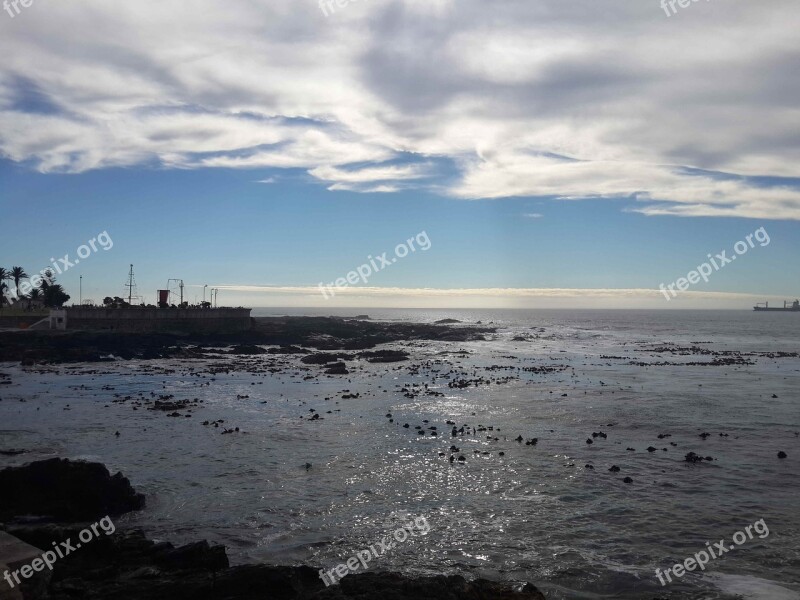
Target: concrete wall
[(14, 555), (159, 319), (20, 322)]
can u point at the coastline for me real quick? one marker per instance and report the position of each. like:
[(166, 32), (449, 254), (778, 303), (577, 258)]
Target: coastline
[(125, 565), (328, 402), (288, 333)]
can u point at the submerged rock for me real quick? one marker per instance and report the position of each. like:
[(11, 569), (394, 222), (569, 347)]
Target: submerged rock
[(337, 369), (691, 457), (385, 356)]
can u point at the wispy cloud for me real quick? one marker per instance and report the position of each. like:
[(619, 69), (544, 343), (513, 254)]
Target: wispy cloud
[(265, 295), (371, 174), (553, 100), (371, 189), (490, 292)]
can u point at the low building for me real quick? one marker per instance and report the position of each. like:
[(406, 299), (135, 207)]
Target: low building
[(58, 318)]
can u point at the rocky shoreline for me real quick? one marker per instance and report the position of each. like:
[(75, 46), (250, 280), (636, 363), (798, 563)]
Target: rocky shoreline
[(289, 334), (54, 500)]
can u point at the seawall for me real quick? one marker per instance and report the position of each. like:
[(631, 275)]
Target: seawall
[(135, 319)]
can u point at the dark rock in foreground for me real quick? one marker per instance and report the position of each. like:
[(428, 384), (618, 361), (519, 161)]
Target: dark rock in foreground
[(65, 491), (127, 566), (395, 586)]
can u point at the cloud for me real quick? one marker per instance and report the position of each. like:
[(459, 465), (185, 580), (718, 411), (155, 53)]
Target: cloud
[(380, 179), (488, 292), (380, 173), (371, 189), (689, 116), (665, 190), (487, 297), (533, 215)]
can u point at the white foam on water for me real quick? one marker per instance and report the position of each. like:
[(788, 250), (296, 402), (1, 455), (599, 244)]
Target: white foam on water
[(752, 588)]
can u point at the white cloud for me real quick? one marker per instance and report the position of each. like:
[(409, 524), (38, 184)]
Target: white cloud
[(633, 98), (663, 188), (370, 189), (382, 173), (486, 297)]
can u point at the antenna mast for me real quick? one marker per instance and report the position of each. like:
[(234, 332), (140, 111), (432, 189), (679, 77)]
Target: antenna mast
[(180, 286), (131, 285)]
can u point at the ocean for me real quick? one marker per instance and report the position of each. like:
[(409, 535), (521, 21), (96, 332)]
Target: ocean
[(291, 489)]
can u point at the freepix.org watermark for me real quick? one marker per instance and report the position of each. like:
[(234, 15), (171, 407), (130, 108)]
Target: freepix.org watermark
[(363, 272), (327, 6), (718, 261), (419, 526), (59, 267), (60, 550), (702, 558), (669, 5), (15, 4)]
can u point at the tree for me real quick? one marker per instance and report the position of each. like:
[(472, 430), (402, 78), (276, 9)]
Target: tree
[(53, 294), (115, 302), (33, 298), (17, 274), (4, 276), (48, 279)]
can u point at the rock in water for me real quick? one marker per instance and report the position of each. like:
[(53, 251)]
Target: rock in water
[(66, 491)]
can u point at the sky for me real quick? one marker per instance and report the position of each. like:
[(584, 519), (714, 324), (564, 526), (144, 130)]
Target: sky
[(556, 153)]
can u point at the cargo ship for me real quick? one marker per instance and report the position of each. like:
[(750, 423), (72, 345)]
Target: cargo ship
[(794, 307)]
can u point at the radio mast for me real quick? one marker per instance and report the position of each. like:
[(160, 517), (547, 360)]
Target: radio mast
[(131, 285)]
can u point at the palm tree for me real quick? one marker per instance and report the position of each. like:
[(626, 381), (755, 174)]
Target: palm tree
[(53, 294), (47, 280), (4, 276), (17, 273), (34, 297)]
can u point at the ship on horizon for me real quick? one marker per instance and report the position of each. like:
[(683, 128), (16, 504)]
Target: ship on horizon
[(794, 307)]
